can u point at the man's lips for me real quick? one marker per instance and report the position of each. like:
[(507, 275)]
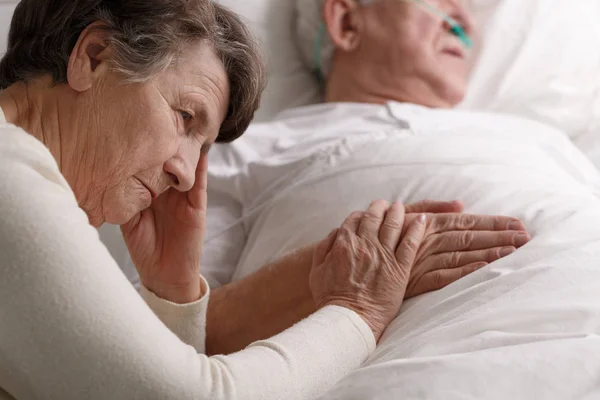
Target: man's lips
[(454, 51)]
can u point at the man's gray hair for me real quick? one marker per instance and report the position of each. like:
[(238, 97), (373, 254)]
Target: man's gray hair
[(314, 42), (147, 37)]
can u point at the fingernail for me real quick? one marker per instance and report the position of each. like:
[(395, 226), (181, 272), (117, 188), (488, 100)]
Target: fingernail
[(522, 239), (507, 251), (422, 218), (515, 226)]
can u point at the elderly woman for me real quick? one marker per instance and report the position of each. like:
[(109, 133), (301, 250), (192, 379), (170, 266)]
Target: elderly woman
[(108, 110)]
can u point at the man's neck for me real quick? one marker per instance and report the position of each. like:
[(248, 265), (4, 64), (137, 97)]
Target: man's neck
[(343, 87)]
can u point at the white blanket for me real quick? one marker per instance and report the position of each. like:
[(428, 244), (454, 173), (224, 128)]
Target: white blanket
[(526, 326)]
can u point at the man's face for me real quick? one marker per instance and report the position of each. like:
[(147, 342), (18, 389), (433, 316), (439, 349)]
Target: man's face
[(414, 53)]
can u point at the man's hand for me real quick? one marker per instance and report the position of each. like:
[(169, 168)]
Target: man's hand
[(456, 245)]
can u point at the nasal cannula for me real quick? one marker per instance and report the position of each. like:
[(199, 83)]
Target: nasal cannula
[(455, 27)]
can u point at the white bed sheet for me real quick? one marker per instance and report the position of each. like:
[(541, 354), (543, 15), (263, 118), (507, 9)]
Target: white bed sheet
[(526, 326)]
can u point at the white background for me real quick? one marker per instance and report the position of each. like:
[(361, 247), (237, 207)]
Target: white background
[(6, 11)]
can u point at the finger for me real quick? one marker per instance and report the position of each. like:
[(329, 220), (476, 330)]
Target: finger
[(353, 221), (472, 240), (410, 244), (435, 207), (467, 222), (460, 259), (197, 195), (391, 228), (372, 219), (324, 248), (439, 279)]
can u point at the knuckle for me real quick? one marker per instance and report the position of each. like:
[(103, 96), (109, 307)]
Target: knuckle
[(437, 222), (368, 215), (492, 254), (466, 239), (339, 250), (454, 260), (439, 280), (411, 245), (468, 222), (392, 224), (499, 223)]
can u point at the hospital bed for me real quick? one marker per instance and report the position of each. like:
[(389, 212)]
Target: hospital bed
[(525, 327)]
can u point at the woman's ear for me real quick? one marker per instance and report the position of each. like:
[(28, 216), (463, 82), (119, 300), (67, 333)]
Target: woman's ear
[(89, 58), (343, 23)]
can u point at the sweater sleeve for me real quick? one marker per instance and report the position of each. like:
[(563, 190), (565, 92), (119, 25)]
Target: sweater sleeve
[(73, 327), (187, 321)]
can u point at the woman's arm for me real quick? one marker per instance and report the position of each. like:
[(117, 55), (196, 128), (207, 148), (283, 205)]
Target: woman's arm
[(73, 327), (278, 295)]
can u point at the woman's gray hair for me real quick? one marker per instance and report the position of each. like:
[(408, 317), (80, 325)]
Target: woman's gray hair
[(147, 37)]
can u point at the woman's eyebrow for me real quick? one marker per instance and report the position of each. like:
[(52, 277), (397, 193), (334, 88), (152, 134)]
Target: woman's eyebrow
[(206, 148), (202, 114)]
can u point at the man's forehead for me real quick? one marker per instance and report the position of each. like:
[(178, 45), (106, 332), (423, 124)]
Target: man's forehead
[(465, 3)]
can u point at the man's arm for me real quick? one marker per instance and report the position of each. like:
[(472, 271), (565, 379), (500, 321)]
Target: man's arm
[(261, 305)]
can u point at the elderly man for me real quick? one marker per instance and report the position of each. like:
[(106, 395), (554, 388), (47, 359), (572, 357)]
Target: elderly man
[(392, 71), (373, 57), (387, 50)]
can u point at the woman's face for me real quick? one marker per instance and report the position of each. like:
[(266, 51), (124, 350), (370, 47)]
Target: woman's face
[(147, 137)]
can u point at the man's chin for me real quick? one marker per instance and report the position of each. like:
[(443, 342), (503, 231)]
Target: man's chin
[(455, 94)]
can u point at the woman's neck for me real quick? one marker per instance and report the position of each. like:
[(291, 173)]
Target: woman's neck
[(28, 106), (45, 111)]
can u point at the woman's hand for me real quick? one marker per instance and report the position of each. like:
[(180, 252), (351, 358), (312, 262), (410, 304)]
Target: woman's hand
[(165, 241), (362, 267), (456, 245)]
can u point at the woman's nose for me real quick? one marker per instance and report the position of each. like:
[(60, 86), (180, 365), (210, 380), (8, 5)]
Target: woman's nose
[(181, 168)]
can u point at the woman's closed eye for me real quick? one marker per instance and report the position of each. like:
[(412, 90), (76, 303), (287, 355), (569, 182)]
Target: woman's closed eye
[(186, 116)]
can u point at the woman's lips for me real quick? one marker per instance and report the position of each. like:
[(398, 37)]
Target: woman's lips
[(152, 193)]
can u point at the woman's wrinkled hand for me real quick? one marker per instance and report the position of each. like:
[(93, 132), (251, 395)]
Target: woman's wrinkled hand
[(365, 265), (456, 245), (165, 241)]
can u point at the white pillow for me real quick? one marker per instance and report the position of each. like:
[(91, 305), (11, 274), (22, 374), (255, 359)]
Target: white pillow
[(537, 58), (290, 84)]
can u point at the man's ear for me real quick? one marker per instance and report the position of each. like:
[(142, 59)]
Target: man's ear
[(89, 58), (343, 23)]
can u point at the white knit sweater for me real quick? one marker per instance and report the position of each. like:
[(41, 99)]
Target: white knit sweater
[(72, 327)]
